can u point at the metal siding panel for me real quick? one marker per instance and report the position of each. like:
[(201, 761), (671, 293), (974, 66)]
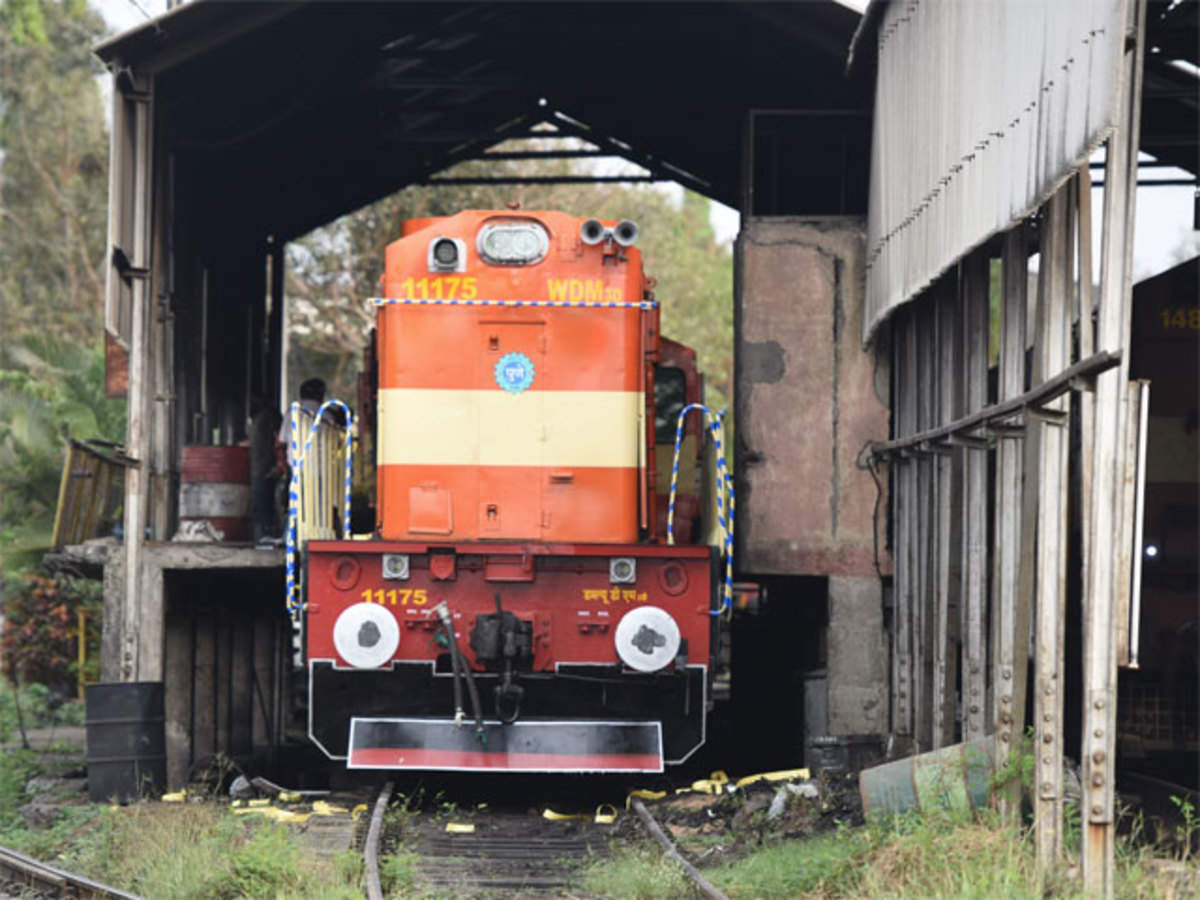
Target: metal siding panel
[(981, 110)]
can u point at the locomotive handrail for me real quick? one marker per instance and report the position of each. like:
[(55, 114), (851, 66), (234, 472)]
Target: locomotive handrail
[(296, 460), (724, 488)]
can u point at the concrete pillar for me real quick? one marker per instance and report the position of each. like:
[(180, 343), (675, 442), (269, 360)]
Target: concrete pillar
[(857, 657), (114, 608), (808, 400)]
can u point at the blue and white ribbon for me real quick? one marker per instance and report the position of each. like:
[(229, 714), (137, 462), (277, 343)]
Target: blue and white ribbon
[(558, 304), (724, 492), (297, 459)]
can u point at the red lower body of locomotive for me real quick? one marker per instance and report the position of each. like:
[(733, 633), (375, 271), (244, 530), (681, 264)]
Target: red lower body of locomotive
[(581, 657)]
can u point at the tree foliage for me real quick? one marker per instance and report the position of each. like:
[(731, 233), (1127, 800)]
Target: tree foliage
[(53, 177), (40, 638), (53, 196)]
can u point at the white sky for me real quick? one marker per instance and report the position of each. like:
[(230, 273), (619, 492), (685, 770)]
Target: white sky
[(1164, 214)]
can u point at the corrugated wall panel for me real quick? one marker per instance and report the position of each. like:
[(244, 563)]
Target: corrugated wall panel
[(981, 110)]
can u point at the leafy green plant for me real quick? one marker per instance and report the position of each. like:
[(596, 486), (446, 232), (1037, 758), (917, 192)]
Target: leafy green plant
[(40, 638), (398, 873), (1018, 768), (51, 390), (1185, 833), (1072, 826)]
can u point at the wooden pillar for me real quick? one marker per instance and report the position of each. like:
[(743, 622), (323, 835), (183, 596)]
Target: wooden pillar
[(973, 369), (1105, 566), (947, 525), (925, 542), (1010, 618), (904, 403), (1050, 432), (137, 102)]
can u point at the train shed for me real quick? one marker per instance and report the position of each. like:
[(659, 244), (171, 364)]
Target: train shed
[(1037, 464), (239, 129), (889, 213)]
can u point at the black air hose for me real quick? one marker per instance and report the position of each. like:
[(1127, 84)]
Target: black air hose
[(460, 666), (454, 667), (476, 706)]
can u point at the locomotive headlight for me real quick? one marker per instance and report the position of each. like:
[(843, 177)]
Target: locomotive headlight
[(395, 566), (592, 232), (622, 570), (626, 233), (513, 244), (647, 638), (447, 255), (366, 635)]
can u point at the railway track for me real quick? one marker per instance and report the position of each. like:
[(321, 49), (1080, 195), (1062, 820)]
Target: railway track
[(24, 877), (484, 853), (494, 862)]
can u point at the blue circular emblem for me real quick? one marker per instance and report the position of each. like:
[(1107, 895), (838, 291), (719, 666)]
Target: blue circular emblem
[(514, 372)]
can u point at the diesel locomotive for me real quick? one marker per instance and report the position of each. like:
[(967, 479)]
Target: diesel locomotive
[(519, 606)]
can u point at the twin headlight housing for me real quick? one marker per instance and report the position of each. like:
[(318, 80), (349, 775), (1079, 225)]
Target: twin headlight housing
[(512, 243)]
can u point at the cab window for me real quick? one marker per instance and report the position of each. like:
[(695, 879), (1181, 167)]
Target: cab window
[(670, 397)]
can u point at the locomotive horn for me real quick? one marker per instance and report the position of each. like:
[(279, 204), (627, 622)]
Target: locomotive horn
[(626, 233), (592, 231)]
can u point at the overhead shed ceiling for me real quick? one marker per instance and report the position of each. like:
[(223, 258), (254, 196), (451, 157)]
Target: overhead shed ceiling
[(291, 114)]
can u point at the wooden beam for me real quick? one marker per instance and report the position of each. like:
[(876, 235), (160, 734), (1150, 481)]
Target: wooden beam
[(904, 403), (972, 364), (1106, 566), (141, 651), (1053, 325), (923, 636), (989, 418), (1010, 633), (947, 524)]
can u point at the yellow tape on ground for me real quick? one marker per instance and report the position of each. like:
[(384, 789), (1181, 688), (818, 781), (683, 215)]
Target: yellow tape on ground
[(175, 797), (553, 816), (322, 808), (713, 784), (643, 794), (358, 811), (781, 775), (606, 814), (459, 828)]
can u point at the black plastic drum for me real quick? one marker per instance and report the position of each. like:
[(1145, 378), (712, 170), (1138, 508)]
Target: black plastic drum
[(126, 741)]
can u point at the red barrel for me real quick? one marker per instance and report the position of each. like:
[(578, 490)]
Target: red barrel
[(215, 488)]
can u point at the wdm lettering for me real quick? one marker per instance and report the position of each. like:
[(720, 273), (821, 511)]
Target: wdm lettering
[(579, 290)]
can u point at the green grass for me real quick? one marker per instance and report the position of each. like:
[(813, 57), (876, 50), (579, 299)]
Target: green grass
[(791, 868), (203, 852), (637, 874), (939, 856), (398, 874), (36, 710), (194, 851)]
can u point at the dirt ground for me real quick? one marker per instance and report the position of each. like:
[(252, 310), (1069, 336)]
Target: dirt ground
[(715, 828)]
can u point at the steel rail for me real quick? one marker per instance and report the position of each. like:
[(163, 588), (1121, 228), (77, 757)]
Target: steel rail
[(706, 887), (17, 867), (371, 847)]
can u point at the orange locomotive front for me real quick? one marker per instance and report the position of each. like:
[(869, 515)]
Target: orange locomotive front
[(518, 607)]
